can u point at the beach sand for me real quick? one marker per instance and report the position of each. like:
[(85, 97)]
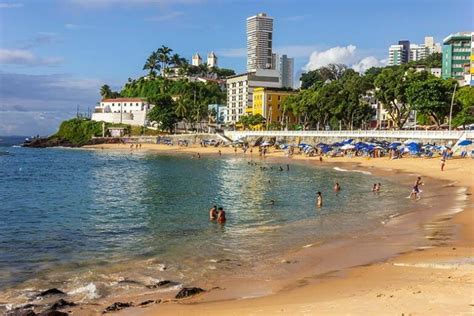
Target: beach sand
[(434, 281)]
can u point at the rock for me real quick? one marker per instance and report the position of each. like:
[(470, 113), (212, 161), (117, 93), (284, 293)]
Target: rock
[(145, 303), (62, 304), (20, 312), (162, 284), (116, 307), (188, 291), (53, 291), (52, 313)]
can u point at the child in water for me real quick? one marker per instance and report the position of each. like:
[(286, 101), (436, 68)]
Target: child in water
[(337, 187)]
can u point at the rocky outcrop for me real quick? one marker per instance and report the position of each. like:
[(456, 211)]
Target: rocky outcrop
[(188, 291), (116, 307), (53, 291)]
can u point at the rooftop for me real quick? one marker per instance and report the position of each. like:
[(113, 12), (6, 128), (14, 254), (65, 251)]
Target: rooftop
[(124, 100)]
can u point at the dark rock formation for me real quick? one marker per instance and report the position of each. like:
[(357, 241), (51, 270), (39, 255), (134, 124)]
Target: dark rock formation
[(188, 291), (62, 304), (53, 291), (149, 302), (116, 307), (162, 284), (52, 313)]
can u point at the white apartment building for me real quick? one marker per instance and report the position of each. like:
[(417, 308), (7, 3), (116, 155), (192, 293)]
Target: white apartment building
[(259, 42), (396, 55), (132, 111), (240, 90)]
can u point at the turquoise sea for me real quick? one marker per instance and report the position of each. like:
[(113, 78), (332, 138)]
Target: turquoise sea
[(90, 221)]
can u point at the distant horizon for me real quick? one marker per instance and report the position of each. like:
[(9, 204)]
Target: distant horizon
[(49, 66)]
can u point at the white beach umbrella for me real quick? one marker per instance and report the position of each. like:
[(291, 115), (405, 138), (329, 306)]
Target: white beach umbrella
[(347, 146)]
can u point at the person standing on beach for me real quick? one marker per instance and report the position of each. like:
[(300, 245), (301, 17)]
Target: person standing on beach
[(287, 167), (220, 153), (221, 216), (320, 158), (443, 162), (319, 201)]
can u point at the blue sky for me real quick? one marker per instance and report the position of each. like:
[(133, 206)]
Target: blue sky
[(55, 54)]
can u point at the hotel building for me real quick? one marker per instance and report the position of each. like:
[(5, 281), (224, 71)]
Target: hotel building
[(458, 57), (268, 102)]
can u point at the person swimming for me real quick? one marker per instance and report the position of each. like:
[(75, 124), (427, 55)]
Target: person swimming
[(337, 187), (374, 187), (377, 189), (213, 213), (221, 216), (319, 201)]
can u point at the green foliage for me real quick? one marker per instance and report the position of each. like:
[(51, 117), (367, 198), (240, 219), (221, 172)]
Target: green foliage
[(78, 131), (465, 100), (251, 120), (431, 97), (434, 60), (318, 77), (163, 113)]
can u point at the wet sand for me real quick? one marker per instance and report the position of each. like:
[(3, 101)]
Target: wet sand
[(435, 281)]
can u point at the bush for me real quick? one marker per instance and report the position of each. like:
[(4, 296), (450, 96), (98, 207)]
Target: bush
[(78, 131)]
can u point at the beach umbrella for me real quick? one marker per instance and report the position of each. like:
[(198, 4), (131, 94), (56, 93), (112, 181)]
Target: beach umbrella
[(265, 144), (347, 146), (465, 142), (348, 141), (302, 145), (408, 141)]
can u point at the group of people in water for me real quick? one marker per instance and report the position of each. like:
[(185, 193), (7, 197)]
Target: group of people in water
[(217, 214)]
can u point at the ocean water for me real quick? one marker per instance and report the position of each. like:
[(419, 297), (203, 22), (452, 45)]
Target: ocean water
[(90, 222)]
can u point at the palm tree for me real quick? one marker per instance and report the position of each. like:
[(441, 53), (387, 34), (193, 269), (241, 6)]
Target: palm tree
[(105, 91), (163, 54), (152, 64)]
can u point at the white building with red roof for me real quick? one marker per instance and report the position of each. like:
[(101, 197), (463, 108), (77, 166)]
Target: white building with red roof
[(132, 111)]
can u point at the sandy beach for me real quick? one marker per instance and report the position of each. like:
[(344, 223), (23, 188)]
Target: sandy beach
[(434, 281)]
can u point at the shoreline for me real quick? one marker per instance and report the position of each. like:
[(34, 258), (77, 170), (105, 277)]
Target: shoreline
[(202, 304)]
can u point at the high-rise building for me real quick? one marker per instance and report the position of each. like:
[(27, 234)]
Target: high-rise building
[(396, 55), (211, 60), (405, 52), (259, 42), (196, 60), (457, 57), (286, 68)]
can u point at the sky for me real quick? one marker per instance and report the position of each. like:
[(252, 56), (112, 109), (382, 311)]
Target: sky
[(55, 54)]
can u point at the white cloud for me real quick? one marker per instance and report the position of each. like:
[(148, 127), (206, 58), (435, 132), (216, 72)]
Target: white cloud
[(368, 62), (26, 58), (166, 17), (347, 55), (10, 5), (334, 55), (71, 26)]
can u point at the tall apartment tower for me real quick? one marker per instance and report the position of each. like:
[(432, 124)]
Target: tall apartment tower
[(259, 42), (286, 70), (196, 60), (399, 54), (458, 57), (211, 60)]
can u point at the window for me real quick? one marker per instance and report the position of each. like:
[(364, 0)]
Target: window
[(279, 98), (113, 104), (269, 98), (240, 111)]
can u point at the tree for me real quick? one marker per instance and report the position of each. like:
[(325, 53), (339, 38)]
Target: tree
[(465, 99), (152, 65), (431, 97), (105, 92), (163, 112), (163, 56), (316, 78), (391, 85)]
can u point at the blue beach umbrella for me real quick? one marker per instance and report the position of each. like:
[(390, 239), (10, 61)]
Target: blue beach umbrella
[(465, 142)]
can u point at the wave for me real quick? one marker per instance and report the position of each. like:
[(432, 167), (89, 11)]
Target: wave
[(90, 291), (346, 170)]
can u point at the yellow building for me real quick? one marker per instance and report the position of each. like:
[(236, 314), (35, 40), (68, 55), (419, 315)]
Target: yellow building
[(268, 102)]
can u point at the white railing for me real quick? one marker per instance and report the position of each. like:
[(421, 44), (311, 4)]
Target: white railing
[(451, 135)]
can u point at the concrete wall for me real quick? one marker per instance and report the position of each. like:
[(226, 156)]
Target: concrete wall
[(136, 118), (192, 139)]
